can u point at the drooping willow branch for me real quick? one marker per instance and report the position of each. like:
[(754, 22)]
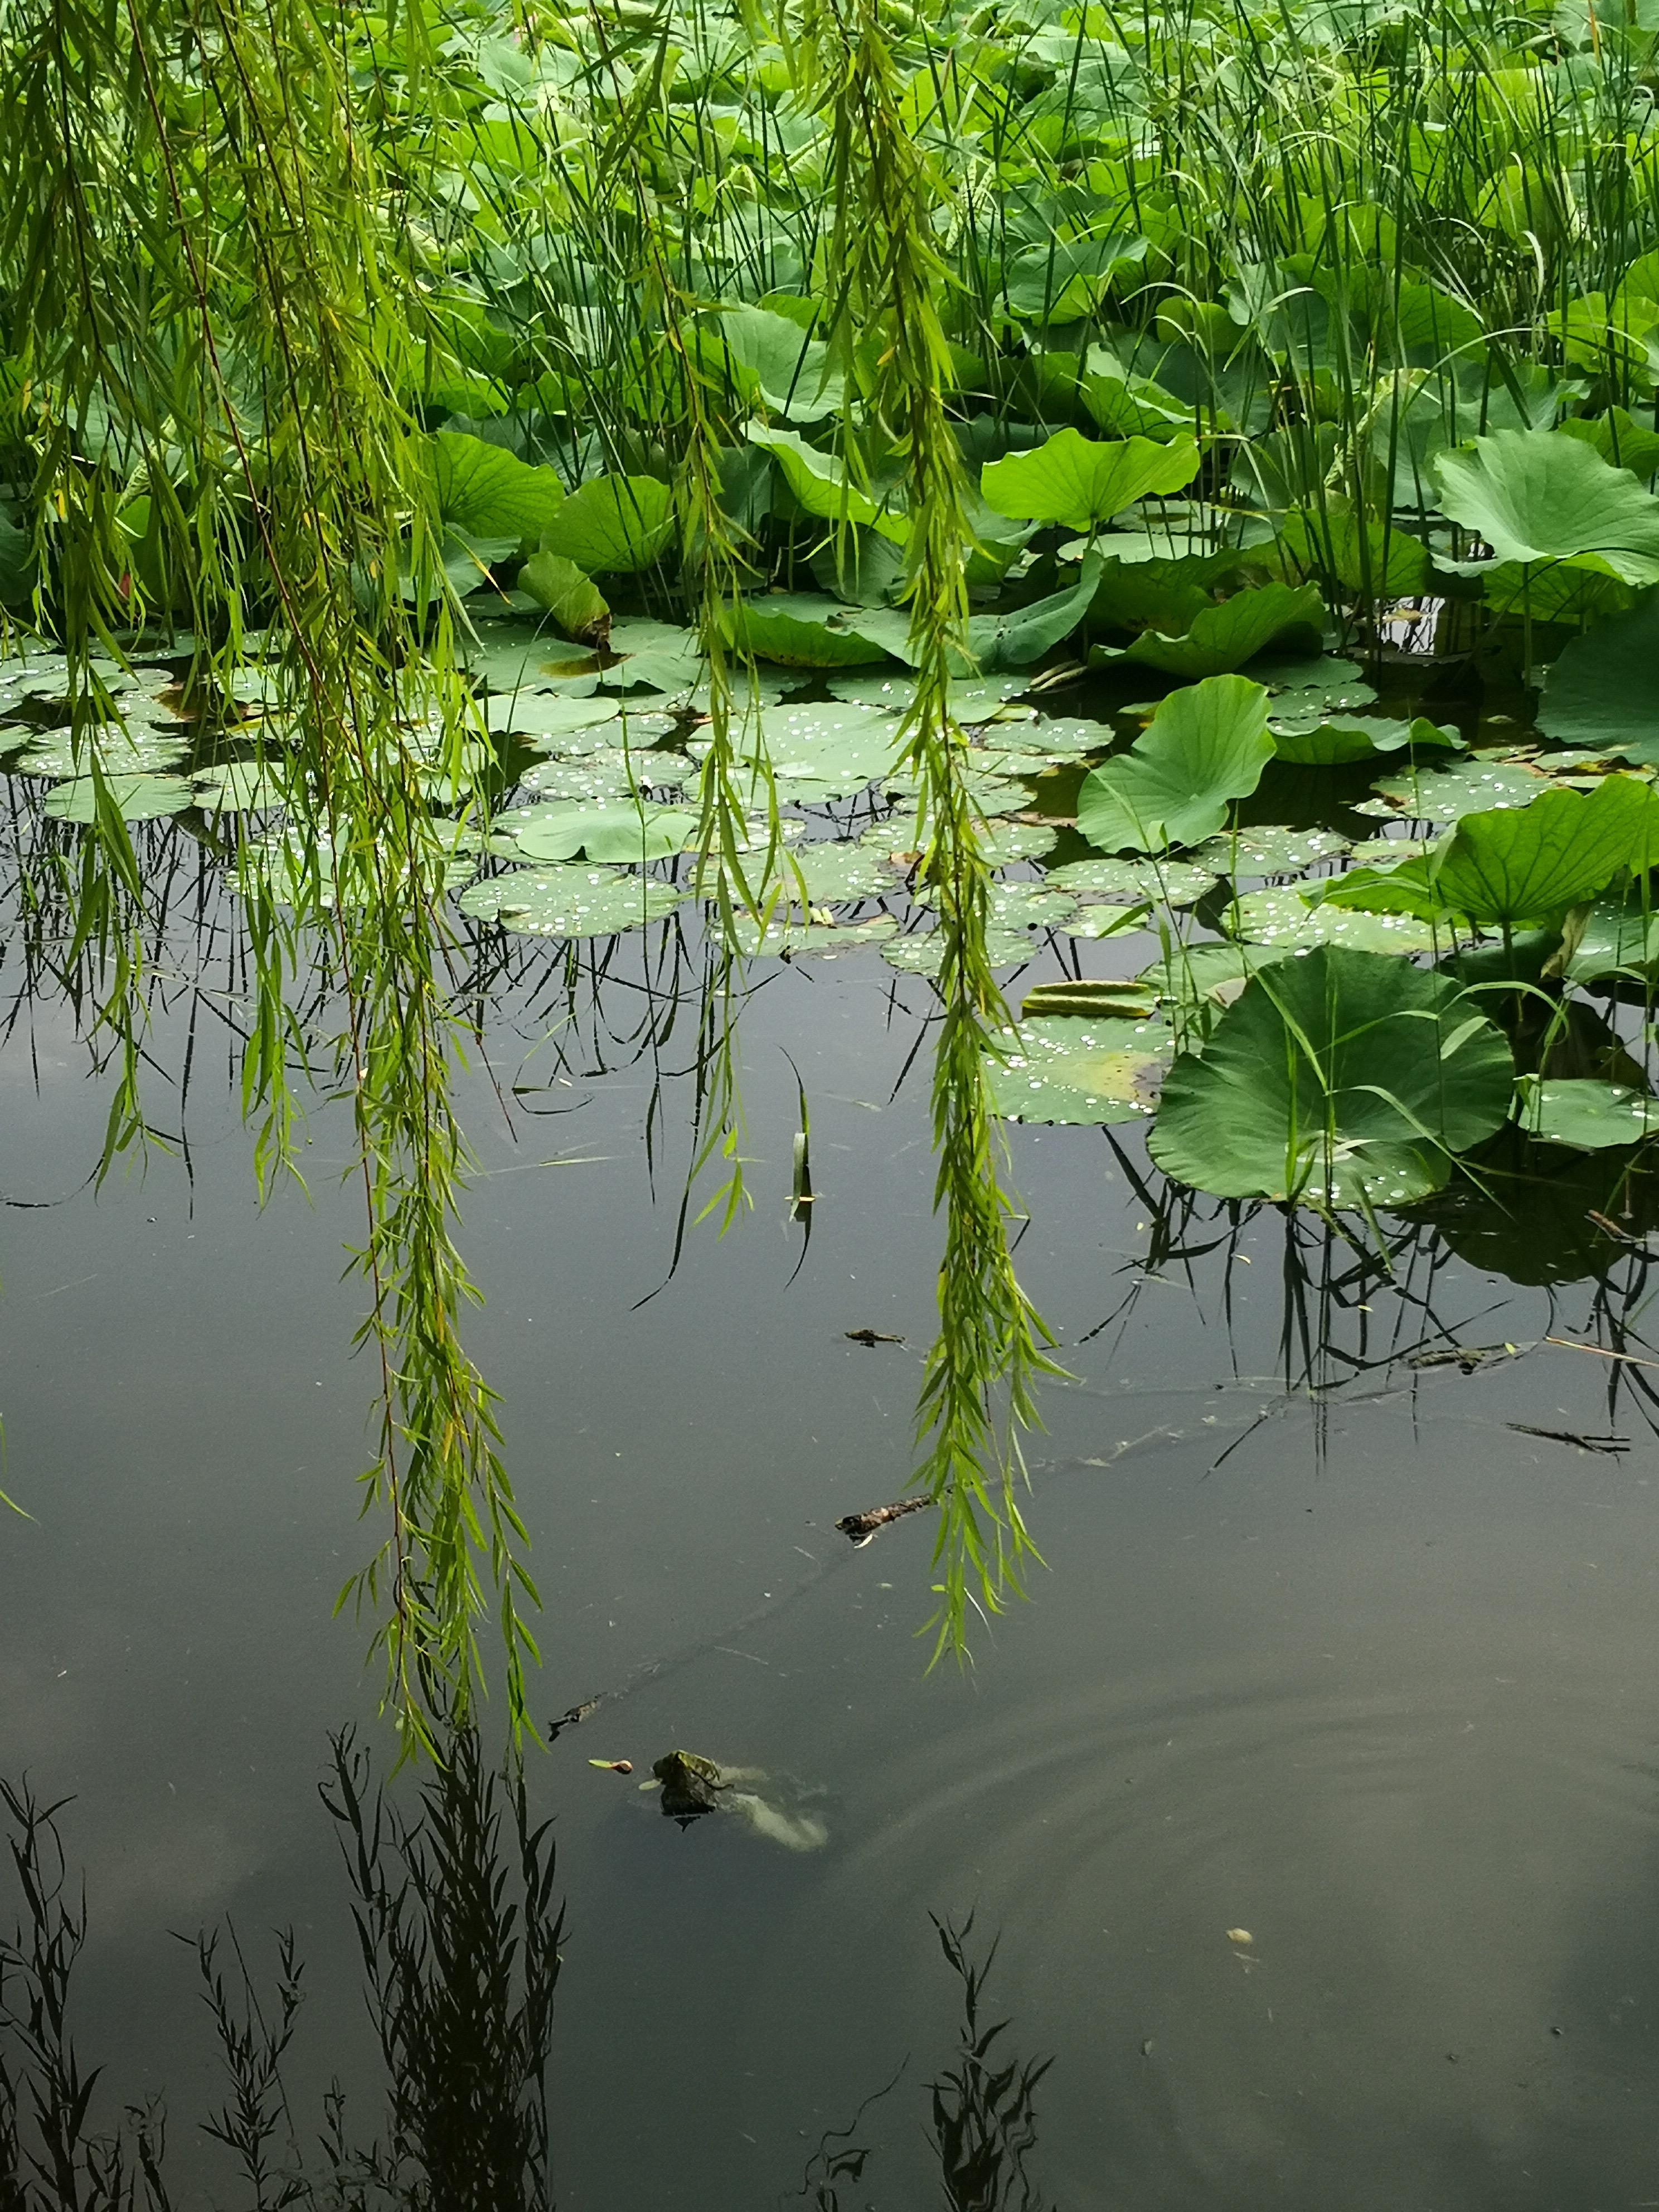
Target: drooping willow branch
[(886, 275)]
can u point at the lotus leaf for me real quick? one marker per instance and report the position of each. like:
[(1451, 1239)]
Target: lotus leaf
[(1001, 843), (510, 658), (837, 873), (1347, 738), (771, 359), (135, 798), (1205, 975), (920, 953), (1619, 440), (241, 787), (545, 715), (1284, 918), (972, 699), (1341, 1078), (120, 752), (1268, 849), (1230, 636), (570, 902), (821, 486), (1054, 737), (485, 492), (660, 655), (613, 524), (1590, 1116), (610, 829), (1601, 692), (1016, 638), (1446, 794), (1207, 745), (1078, 1069), (1064, 279), (1102, 919), (791, 937), (578, 607), (1619, 937), (1526, 863), (1176, 883), (801, 631), (1355, 551), (1082, 482), (1539, 496)]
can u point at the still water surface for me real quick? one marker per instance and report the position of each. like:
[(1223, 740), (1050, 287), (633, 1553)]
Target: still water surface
[(1375, 1687)]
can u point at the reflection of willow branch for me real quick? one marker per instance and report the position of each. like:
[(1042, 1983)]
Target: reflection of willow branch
[(458, 1930), (983, 2109)]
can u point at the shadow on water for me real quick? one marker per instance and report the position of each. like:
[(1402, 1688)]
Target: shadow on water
[(459, 1930)]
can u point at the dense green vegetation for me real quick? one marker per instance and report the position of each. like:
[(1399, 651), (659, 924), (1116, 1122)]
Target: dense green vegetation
[(529, 471)]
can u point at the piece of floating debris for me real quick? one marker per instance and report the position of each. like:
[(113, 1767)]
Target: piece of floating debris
[(861, 1527), (613, 1766), (1240, 1936), (1468, 1357), (872, 1337), (1607, 1443)]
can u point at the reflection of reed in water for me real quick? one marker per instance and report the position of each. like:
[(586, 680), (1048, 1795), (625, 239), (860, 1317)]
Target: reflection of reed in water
[(460, 1931)]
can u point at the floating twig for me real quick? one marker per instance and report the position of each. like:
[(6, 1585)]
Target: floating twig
[(872, 1337), (1571, 1344), (862, 1527), (1572, 1437)]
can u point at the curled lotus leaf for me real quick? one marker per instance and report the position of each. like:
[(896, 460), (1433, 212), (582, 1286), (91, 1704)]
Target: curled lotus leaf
[(1207, 745), (1079, 1069)]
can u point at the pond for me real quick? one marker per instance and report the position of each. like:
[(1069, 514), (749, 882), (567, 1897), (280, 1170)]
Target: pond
[(1309, 1797)]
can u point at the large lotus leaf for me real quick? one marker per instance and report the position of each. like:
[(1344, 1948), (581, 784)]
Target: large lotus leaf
[(1268, 849), (974, 699), (1207, 745), (798, 631), (1575, 592), (1309, 688), (485, 492), (1078, 1069), (579, 608), (1602, 690), (1446, 794), (1619, 937), (1133, 882), (613, 525), (1537, 497), (1124, 405), (1161, 595), (1527, 863), (508, 656), (135, 798), (1083, 482), (771, 359), (1229, 636), (660, 655), (1016, 638), (1590, 1117), (1341, 1078), (820, 484), (1284, 918), (570, 902)]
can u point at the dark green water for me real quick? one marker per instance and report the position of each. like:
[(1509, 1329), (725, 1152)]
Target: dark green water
[(1376, 1686)]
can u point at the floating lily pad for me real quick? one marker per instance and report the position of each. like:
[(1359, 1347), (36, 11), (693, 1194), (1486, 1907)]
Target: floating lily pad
[(545, 713), (821, 939), (608, 775), (137, 798), (1590, 1116), (1284, 918), (611, 830), (1130, 882), (1078, 1070), (570, 902), (1209, 974), (836, 873), (242, 787), (972, 698), (1387, 852), (1002, 843), (1103, 921), (922, 952), (1268, 849), (1446, 794), (660, 656), (1053, 737), (137, 752), (1342, 1078)]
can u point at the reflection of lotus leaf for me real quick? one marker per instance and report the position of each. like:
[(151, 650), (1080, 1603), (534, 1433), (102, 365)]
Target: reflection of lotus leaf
[(1076, 1069), (570, 902), (1343, 1079)]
